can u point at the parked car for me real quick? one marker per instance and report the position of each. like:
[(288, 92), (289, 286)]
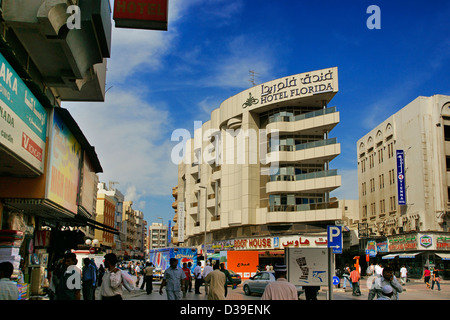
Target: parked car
[(236, 278), (257, 284)]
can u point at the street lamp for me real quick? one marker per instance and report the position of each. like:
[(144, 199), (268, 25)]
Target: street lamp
[(206, 191)]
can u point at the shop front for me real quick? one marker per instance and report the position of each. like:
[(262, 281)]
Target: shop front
[(418, 250)]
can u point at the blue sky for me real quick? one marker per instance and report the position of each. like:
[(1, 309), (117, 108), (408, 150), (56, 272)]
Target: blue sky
[(163, 80)]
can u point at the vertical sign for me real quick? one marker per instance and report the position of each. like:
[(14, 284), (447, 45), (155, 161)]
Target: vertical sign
[(334, 238), (169, 233), (180, 221), (401, 192)]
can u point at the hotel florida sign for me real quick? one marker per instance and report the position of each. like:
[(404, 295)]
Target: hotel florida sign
[(141, 14)]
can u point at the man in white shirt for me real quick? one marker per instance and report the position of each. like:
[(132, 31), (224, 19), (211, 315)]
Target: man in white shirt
[(198, 277), (403, 275), (111, 288), (174, 280), (8, 288), (206, 271), (280, 289)]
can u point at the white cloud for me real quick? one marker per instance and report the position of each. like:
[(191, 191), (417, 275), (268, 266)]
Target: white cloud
[(349, 188)]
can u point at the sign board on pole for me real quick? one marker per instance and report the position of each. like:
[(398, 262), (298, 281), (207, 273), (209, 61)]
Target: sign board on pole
[(307, 267), (334, 238)]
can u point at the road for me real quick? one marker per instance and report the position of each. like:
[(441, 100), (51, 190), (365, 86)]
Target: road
[(414, 290)]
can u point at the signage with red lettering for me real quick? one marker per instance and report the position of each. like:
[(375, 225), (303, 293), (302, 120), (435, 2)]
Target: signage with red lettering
[(141, 14)]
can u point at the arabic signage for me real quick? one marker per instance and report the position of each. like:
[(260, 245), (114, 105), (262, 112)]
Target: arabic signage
[(401, 191), (64, 166), (23, 120), (243, 263), (141, 14), (292, 87), (307, 266)]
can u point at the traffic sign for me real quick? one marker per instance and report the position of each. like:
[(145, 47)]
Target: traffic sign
[(335, 280), (334, 238)]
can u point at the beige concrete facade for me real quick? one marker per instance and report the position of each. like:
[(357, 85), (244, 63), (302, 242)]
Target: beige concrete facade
[(260, 165), (422, 130)]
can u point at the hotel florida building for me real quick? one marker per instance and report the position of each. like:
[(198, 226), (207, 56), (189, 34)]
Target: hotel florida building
[(260, 169), (404, 187)]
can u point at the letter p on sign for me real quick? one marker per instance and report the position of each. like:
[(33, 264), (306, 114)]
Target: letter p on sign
[(334, 237)]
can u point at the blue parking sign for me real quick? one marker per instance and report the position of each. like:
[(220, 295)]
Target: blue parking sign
[(334, 238)]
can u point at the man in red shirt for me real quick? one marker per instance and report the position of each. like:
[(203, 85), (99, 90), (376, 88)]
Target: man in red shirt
[(188, 279), (354, 277)]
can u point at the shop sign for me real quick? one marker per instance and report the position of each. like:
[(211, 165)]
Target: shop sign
[(141, 14), (23, 120), (403, 243), (401, 192), (64, 166), (426, 241), (443, 242), (382, 246)]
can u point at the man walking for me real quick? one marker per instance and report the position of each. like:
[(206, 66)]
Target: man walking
[(355, 277), (403, 275), (174, 280), (216, 281), (198, 277), (89, 278), (387, 278), (206, 271), (280, 289)]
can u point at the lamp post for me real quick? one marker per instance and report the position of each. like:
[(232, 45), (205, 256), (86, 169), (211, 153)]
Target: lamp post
[(206, 191)]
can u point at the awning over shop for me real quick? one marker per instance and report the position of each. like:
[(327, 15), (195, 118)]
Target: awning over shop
[(444, 256), (408, 255), (389, 256)]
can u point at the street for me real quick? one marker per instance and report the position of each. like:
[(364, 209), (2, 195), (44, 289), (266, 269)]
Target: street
[(413, 290)]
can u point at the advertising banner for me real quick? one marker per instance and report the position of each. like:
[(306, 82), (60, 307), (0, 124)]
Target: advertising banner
[(243, 263), (401, 191), (23, 120), (307, 267), (64, 166), (141, 14)]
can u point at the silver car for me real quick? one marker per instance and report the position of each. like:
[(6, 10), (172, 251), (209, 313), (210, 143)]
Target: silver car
[(258, 283)]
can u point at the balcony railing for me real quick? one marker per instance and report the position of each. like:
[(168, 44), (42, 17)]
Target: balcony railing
[(321, 112), (304, 207), (303, 146), (304, 176)]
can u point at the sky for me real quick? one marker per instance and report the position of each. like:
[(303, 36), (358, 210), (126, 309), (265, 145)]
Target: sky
[(160, 81)]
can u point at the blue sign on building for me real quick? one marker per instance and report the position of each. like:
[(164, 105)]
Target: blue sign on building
[(401, 191)]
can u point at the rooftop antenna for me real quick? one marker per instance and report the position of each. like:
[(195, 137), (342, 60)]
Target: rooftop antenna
[(253, 75)]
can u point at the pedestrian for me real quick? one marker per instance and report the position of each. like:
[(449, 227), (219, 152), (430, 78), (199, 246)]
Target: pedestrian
[(8, 288), (101, 272), (89, 279), (111, 288), (69, 287), (206, 271), (216, 281), (148, 278), (189, 265), (403, 275), (198, 277), (187, 272), (227, 277), (355, 277), (346, 276), (426, 276), (174, 280), (378, 270), (436, 279), (137, 271), (280, 289), (387, 278), (311, 292)]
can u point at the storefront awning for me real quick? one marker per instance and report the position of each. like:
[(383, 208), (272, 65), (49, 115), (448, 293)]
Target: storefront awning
[(389, 256), (444, 256), (408, 255)]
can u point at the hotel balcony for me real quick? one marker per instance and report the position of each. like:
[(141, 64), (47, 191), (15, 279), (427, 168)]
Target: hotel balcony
[(323, 150), (322, 181), (307, 123), (72, 60)]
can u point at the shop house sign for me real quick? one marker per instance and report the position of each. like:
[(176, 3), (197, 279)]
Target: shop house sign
[(141, 14)]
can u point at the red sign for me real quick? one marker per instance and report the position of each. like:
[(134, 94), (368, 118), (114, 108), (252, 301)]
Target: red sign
[(31, 146), (141, 14)]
